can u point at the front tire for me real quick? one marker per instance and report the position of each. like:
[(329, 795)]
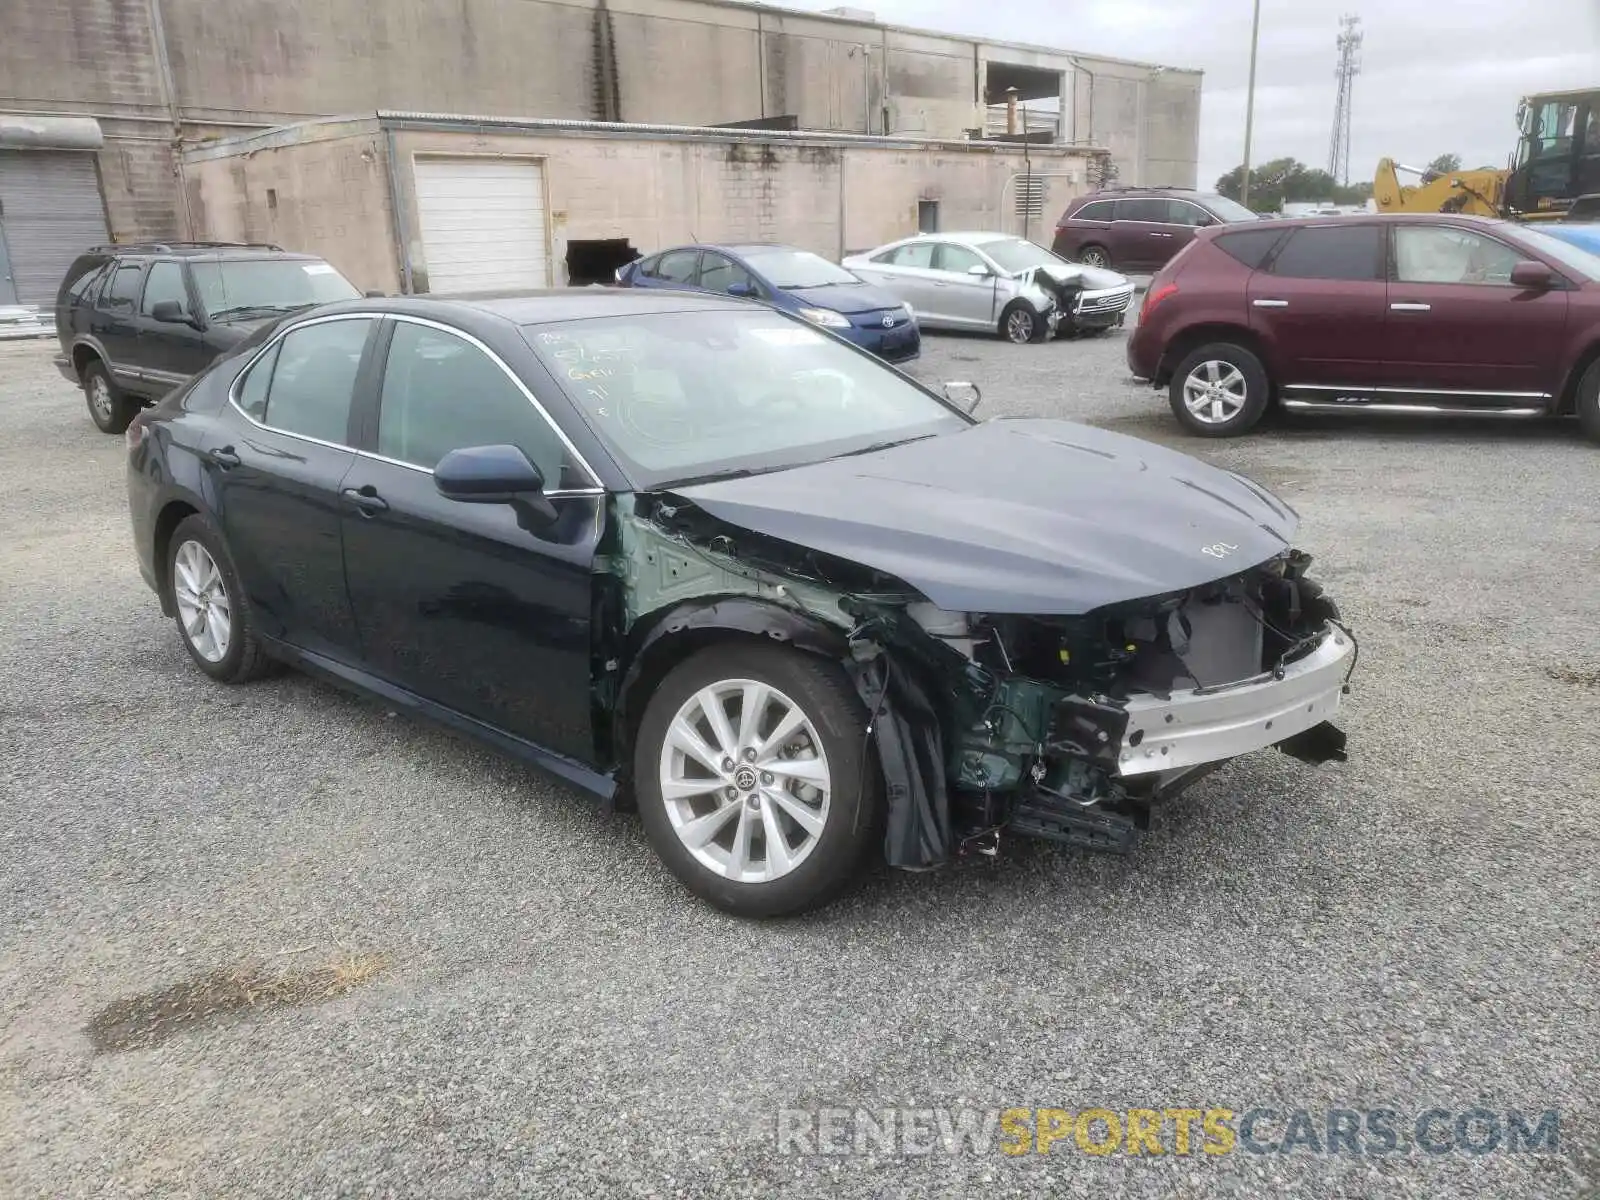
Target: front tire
[(110, 408), (752, 779), (1020, 324), (212, 614), (1219, 390), (1588, 402)]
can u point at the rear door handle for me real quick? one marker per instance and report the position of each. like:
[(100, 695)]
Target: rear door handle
[(1270, 303), (366, 499), (223, 457), (1165, 235), (1409, 307)]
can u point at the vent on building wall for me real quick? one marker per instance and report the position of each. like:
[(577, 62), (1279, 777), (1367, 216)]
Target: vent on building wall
[(1030, 196)]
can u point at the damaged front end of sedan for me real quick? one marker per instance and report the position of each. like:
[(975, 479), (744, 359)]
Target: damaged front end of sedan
[(1067, 726)]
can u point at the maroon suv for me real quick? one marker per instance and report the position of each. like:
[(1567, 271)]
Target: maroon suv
[(1423, 314), (1140, 229)]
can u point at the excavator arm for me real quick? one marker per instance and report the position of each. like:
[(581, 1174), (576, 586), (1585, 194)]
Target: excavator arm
[(1479, 193)]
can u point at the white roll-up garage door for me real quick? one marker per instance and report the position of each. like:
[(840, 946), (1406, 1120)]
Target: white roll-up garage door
[(483, 223), (50, 212)]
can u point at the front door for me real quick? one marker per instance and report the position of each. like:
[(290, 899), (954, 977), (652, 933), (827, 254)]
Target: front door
[(169, 351), (458, 602), (1459, 328), (1319, 309), (961, 298), (276, 474)]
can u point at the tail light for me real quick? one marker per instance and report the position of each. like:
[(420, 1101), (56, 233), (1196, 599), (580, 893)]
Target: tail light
[(1157, 293), (137, 431)]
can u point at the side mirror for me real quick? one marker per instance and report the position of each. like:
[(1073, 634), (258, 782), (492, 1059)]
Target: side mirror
[(496, 475), (957, 386), (169, 312), (741, 289), (978, 271), (1534, 276)]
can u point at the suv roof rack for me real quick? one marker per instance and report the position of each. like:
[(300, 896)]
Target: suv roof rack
[(1153, 187), (169, 247)]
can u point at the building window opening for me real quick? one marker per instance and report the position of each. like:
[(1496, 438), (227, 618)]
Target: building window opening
[(597, 260)]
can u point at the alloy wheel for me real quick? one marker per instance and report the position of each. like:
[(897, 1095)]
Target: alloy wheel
[(1019, 326), (1094, 257), (745, 780), (204, 609), (1214, 392), (100, 397)]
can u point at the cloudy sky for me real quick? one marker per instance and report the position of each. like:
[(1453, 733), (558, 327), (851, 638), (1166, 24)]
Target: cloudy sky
[(1437, 77)]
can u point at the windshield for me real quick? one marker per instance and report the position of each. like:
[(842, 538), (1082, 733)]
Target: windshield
[(1229, 210), (1576, 258), (685, 395), (259, 286), (1014, 254), (796, 269)]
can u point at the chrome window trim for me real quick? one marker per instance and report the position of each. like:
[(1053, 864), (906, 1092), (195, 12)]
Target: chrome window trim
[(233, 398)]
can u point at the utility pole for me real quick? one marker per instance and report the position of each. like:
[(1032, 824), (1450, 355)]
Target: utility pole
[(1250, 105)]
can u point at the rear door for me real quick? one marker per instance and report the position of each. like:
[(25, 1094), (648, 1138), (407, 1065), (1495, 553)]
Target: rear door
[(1142, 236), (459, 602), (277, 476), (114, 323), (1459, 329), (907, 271), (1320, 309), (169, 351)]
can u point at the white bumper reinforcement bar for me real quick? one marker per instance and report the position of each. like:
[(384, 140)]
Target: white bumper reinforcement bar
[(1212, 724)]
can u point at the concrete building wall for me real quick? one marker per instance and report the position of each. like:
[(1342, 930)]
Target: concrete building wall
[(237, 64), (652, 191)]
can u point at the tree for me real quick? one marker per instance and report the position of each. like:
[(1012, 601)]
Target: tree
[(1287, 180), (1445, 164)]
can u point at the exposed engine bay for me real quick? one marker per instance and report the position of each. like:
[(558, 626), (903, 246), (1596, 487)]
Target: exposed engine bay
[(1067, 727)]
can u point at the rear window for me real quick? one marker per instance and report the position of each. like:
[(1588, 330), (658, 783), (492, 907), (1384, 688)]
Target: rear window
[(1249, 246), (1331, 252), (81, 276), (1095, 210)]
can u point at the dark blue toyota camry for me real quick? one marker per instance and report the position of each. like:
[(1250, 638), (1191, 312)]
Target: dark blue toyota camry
[(794, 280)]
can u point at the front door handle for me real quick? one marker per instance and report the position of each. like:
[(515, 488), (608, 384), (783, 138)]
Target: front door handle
[(1270, 303), (1411, 307), (366, 499), (224, 457)]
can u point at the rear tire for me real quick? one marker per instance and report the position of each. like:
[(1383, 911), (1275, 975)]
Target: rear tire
[(1095, 256), (1219, 390), (1020, 324), (715, 833), (213, 618), (1587, 402), (110, 408)]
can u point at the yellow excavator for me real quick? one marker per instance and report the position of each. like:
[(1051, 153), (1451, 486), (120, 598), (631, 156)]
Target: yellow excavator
[(1554, 174)]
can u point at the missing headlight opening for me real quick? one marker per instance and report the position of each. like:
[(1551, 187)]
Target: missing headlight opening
[(1068, 726)]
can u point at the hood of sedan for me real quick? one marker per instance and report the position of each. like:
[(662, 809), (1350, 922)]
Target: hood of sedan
[(1037, 517), (847, 298), (1092, 279)]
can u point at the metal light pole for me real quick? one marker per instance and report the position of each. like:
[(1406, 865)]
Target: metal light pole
[(1250, 105)]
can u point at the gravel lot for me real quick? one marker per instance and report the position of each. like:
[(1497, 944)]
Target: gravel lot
[(435, 973)]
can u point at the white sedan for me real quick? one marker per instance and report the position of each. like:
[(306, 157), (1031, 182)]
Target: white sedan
[(995, 282)]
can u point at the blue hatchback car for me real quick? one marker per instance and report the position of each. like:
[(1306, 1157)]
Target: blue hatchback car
[(794, 280)]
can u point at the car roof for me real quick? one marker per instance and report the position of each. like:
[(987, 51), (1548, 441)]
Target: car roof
[(549, 305), (1323, 222), (218, 250)]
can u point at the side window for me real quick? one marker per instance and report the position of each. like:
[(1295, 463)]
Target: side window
[(957, 259), (1331, 252), (314, 379), (122, 289), (1249, 246), (1181, 212), (165, 282), (917, 254), (1145, 208), (1440, 254), (442, 393), (677, 266), (718, 273), (252, 393), (1096, 210)]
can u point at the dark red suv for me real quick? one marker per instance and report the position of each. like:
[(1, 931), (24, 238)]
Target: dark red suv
[(1423, 314), (1140, 229)]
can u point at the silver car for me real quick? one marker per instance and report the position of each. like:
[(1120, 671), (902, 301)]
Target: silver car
[(995, 282)]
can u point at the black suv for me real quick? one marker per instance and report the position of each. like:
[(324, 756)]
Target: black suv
[(1139, 229), (136, 321)]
